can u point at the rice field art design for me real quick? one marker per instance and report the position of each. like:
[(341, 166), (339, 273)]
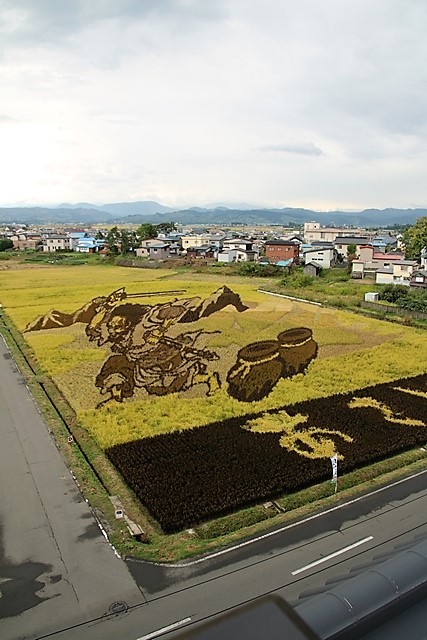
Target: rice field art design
[(207, 400), (150, 351), (187, 477)]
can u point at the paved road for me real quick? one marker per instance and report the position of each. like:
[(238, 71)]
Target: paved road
[(199, 591), (56, 567), (201, 597)]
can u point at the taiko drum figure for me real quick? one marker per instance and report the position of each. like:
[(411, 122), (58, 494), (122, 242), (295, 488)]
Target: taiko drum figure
[(260, 365)]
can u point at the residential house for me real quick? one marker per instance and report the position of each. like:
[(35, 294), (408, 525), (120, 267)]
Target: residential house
[(153, 249), (174, 243), (56, 242), (194, 241), (402, 271), (75, 237), (321, 244), (303, 247), (217, 238), (419, 278), (342, 244), (258, 246), (384, 243), (292, 237), (276, 250), (423, 257), (397, 273), (360, 269), (206, 251), (238, 250), (89, 244), (238, 243), (325, 256), (370, 261), (368, 253), (236, 255), (26, 240)]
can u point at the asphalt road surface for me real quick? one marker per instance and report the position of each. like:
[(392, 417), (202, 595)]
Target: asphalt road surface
[(59, 576), (56, 567), (292, 563)]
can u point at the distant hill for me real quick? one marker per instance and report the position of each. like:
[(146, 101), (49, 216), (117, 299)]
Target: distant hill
[(45, 215), (286, 216), (155, 213), (119, 209)]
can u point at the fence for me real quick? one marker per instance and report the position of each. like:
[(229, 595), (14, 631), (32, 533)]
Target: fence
[(385, 308)]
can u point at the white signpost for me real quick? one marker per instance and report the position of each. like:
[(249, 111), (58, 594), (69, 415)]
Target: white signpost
[(334, 462)]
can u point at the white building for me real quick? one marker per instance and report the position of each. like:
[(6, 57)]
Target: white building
[(326, 257), (313, 231), (236, 255), (56, 243)]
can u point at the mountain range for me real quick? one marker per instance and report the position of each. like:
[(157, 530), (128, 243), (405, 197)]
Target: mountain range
[(155, 213)]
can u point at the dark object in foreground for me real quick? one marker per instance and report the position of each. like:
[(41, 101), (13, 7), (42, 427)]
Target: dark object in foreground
[(268, 617)]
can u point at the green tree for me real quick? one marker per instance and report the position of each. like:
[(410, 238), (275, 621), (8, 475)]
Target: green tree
[(134, 240), (5, 244), (351, 255), (249, 269), (146, 231), (166, 227), (415, 238), (113, 240), (394, 292), (351, 251), (125, 241)]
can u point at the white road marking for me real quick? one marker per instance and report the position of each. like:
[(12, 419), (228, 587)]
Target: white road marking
[(332, 555), (171, 627), (320, 514), (2, 581)]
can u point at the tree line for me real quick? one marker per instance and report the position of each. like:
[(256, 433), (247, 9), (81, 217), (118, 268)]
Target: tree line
[(124, 241)]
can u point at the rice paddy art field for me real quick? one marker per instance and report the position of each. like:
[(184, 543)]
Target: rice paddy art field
[(208, 396)]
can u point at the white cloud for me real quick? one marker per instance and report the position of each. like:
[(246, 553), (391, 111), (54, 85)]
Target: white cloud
[(295, 103), (4, 118), (301, 148), (23, 21)]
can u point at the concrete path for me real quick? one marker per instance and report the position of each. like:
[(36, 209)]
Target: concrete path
[(56, 567)]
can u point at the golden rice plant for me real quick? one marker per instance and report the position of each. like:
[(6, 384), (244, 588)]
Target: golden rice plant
[(56, 354), (38, 290)]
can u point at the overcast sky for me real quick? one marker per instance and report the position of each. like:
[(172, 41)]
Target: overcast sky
[(313, 103)]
